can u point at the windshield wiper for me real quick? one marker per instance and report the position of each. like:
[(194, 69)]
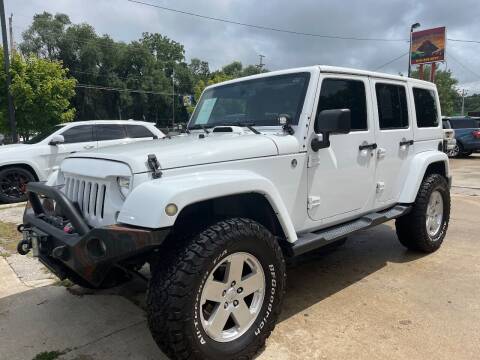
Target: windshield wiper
[(248, 125)]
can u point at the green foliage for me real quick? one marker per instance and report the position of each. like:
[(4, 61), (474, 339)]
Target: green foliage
[(472, 103), (41, 91), (146, 65), (446, 89)]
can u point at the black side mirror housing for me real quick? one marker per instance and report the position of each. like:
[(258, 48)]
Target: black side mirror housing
[(335, 121)]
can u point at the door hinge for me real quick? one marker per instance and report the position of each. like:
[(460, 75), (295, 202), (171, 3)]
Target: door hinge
[(313, 201), (380, 186)]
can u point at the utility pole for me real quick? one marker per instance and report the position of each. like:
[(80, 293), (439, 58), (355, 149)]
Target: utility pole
[(10, 30), (173, 99), (261, 64), (463, 94), (6, 64)]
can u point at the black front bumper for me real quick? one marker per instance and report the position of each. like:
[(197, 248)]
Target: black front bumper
[(90, 254)]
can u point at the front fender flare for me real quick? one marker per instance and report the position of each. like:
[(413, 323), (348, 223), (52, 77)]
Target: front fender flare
[(417, 171), (145, 206)]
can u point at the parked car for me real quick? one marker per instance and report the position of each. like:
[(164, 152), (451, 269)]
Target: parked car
[(37, 158), (274, 165), (449, 140), (467, 134)]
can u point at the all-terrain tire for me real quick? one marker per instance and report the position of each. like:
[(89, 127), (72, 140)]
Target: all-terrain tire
[(173, 297), (412, 228), (12, 182)]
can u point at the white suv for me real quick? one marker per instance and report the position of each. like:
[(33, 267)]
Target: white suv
[(274, 165), (38, 157)]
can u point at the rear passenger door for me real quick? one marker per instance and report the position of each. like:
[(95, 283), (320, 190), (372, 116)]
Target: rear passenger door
[(110, 134), (394, 138), (139, 133)]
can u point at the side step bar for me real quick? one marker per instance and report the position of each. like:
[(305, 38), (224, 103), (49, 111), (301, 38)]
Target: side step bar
[(314, 240)]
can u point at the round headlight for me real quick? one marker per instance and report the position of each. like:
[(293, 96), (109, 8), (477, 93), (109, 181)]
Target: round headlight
[(124, 185)]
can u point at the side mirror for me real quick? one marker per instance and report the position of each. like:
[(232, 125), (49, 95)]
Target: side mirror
[(56, 139), (336, 121)]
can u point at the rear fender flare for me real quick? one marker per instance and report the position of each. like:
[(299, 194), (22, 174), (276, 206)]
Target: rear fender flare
[(417, 171)]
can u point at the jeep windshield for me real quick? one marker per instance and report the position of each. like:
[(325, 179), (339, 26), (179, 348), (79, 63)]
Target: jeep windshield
[(256, 102)]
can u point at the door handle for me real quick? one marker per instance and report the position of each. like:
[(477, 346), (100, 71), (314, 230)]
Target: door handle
[(367, 147), (88, 147), (406, 142)]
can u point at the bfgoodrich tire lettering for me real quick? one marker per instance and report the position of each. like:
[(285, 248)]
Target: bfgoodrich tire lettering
[(174, 297), (412, 228)]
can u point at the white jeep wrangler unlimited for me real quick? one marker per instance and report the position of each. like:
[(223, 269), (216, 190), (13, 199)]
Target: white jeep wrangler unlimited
[(274, 165)]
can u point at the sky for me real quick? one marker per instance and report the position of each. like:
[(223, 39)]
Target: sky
[(221, 43)]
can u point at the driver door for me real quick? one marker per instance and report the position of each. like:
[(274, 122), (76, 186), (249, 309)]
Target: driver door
[(341, 176)]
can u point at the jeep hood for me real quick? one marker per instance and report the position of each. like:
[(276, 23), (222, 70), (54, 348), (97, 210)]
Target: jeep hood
[(189, 150)]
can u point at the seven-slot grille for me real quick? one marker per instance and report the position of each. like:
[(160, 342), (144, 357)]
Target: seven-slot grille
[(88, 194)]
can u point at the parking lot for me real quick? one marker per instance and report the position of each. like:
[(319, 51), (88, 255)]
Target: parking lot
[(368, 299)]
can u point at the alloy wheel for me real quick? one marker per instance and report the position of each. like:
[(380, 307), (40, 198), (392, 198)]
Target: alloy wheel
[(232, 297)]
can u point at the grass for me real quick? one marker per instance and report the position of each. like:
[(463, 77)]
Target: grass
[(48, 355), (9, 237)]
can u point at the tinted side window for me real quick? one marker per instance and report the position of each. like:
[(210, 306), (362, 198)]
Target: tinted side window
[(77, 134), (392, 106), (110, 132), (425, 107), (446, 124), (138, 131), (344, 94)]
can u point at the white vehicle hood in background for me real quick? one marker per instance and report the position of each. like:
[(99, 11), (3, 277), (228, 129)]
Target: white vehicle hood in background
[(188, 150)]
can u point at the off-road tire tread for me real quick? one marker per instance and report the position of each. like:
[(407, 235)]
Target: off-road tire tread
[(167, 293), (411, 229)]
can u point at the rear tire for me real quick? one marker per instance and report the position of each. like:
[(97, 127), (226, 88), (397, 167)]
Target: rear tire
[(12, 184), (196, 310), (425, 227)]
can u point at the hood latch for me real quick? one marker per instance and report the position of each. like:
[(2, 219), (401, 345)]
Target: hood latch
[(154, 165)]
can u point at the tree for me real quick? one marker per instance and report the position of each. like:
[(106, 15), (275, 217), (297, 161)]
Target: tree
[(41, 91), (43, 37), (446, 89)]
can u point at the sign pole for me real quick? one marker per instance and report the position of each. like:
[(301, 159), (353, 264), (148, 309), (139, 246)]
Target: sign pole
[(420, 71), (432, 72)]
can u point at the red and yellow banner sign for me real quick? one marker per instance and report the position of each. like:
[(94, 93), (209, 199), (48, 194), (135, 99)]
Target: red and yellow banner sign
[(428, 46)]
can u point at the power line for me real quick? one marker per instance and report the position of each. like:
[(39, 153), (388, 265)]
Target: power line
[(391, 61), (465, 41), (262, 27), (108, 88), (464, 66)]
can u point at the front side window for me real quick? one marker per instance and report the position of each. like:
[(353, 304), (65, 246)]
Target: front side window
[(259, 101), (110, 132), (344, 94), (425, 107), (44, 134), (392, 106), (78, 134)]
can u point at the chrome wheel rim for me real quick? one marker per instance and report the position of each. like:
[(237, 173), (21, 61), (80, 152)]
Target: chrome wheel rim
[(454, 152), (434, 213), (232, 297)]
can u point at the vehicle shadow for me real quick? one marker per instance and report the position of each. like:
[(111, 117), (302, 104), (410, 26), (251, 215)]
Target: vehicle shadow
[(111, 324), (315, 276)]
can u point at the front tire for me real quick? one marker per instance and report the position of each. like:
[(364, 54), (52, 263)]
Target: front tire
[(425, 227), (12, 184), (218, 295)]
